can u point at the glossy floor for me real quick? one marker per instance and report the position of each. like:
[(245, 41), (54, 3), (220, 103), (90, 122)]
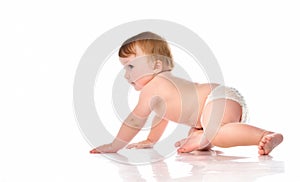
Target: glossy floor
[(219, 164)]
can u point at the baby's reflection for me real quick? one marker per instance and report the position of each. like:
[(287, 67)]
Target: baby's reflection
[(202, 165)]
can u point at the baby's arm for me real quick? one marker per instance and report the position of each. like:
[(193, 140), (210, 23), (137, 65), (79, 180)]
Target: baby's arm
[(130, 127), (158, 127)]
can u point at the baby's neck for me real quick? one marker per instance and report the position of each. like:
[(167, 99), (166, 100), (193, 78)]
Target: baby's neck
[(163, 71)]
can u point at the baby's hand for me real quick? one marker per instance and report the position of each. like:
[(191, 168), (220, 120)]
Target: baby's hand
[(107, 148), (141, 145)]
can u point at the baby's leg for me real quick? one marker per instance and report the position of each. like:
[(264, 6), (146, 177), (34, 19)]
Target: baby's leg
[(214, 115), (233, 133), (238, 134)]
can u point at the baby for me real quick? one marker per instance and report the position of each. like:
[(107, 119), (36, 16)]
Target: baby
[(215, 113)]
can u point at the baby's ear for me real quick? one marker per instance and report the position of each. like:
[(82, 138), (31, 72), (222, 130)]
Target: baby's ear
[(158, 66)]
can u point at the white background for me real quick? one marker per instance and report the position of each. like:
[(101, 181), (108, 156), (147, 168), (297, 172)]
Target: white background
[(41, 42)]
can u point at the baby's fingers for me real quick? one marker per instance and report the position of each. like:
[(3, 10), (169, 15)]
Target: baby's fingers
[(95, 151), (139, 146), (107, 148), (133, 145), (143, 146)]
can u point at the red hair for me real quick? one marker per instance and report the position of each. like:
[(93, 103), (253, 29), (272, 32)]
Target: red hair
[(151, 44)]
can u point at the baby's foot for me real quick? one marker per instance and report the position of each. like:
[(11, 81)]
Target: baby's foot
[(269, 142), (191, 143)]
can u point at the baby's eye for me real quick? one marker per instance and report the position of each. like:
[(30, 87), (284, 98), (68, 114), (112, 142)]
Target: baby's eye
[(130, 66)]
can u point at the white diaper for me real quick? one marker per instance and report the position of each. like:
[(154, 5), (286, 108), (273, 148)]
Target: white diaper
[(223, 92)]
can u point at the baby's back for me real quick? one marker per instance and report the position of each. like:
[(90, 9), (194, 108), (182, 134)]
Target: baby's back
[(178, 99)]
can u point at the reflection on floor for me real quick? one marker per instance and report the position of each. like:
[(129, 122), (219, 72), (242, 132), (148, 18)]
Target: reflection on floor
[(215, 165)]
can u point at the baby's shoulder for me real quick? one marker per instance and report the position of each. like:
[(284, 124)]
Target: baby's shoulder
[(159, 86)]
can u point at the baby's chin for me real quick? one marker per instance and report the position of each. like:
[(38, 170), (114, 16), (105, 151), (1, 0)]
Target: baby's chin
[(136, 86)]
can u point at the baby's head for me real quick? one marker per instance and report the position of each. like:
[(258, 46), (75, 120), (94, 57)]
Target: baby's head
[(150, 44)]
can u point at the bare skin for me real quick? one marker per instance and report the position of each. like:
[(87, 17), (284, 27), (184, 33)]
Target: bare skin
[(181, 101), (269, 142), (266, 144), (231, 132)]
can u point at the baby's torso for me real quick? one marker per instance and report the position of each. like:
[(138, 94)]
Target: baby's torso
[(179, 100)]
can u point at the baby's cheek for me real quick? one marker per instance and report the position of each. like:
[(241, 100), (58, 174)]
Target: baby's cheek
[(144, 80), (135, 76), (141, 73)]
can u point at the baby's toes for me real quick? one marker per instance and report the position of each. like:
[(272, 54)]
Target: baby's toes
[(180, 143), (261, 151), (265, 139)]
